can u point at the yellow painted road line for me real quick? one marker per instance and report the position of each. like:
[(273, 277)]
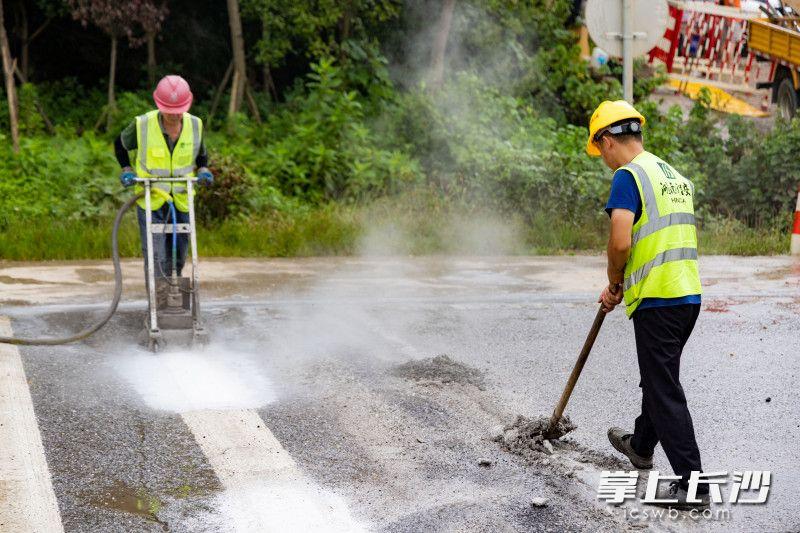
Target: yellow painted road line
[(27, 500), (720, 100)]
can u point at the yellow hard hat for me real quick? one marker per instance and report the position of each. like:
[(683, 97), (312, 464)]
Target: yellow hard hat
[(607, 114)]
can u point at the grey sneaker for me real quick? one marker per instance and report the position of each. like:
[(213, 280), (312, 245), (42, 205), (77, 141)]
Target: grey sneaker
[(621, 441), (676, 492)]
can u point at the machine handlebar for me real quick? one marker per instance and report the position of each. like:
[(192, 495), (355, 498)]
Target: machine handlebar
[(188, 178)]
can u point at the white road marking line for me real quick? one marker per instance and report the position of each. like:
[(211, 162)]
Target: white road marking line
[(266, 490), (27, 500), (239, 445)]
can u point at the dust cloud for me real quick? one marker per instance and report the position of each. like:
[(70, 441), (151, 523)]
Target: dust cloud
[(180, 381), (356, 311), (468, 221), (458, 233), (293, 505)]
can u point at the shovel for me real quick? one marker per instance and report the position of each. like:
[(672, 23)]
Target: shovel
[(552, 428)]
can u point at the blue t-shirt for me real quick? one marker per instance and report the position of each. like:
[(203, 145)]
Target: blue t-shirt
[(625, 195)]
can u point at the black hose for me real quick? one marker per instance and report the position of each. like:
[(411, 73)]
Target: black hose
[(114, 303)]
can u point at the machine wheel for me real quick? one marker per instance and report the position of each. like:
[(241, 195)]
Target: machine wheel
[(787, 99), (155, 341), (200, 338)]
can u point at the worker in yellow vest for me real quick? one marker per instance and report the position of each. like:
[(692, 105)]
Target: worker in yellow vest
[(652, 264), (168, 143)]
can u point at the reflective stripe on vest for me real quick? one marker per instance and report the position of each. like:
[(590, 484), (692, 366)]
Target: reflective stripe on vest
[(663, 258), (179, 192), (655, 222), (142, 146), (676, 254), (661, 223)]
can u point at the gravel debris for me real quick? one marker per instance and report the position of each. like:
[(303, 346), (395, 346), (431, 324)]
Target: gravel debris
[(547, 446), (524, 436), (539, 502), (440, 369)]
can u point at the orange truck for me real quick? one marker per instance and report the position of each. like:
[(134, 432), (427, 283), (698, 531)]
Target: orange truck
[(735, 49), (778, 40)]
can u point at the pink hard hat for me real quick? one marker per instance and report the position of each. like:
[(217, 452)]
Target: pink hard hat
[(172, 95)]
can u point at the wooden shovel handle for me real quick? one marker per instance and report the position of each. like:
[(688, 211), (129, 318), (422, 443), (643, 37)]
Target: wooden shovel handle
[(576, 371)]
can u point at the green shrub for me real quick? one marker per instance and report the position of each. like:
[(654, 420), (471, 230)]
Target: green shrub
[(230, 196), (58, 177), (70, 107), (505, 134), (489, 149), (128, 106), (755, 178), (318, 147)]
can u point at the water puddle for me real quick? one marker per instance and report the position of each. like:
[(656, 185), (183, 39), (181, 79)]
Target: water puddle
[(94, 275), (121, 497), (9, 280)]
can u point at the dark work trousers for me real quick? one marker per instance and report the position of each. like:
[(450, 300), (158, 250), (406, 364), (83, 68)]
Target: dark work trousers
[(162, 242), (661, 333)]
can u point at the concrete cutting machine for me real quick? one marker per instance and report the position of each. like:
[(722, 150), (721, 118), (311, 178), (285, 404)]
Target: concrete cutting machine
[(173, 317)]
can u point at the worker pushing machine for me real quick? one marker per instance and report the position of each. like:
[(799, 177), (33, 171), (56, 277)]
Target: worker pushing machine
[(169, 147), (168, 143), (652, 264)]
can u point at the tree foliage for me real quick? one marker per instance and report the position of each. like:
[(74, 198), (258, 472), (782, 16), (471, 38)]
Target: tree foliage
[(117, 19), (150, 17), (349, 118), (133, 19), (316, 29)]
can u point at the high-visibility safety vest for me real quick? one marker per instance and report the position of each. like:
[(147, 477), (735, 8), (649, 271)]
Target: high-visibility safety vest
[(153, 158), (663, 258)]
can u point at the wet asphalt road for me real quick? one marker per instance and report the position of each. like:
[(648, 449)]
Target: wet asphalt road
[(316, 347)]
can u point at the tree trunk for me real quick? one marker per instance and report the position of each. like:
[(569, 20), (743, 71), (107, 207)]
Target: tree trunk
[(26, 45), (251, 103), (151, 59), (266, 72), (235, 102), (344, 31), (112, 74), (218, 95), (23, 37), (269, 83), (440, 44), (239, 65), (49, 125), (11, 89)]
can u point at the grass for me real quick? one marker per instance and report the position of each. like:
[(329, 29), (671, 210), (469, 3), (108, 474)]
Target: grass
[(731, 237), (407, 225), (323, 231), (326, 231), (549, 237), (48, 239)]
